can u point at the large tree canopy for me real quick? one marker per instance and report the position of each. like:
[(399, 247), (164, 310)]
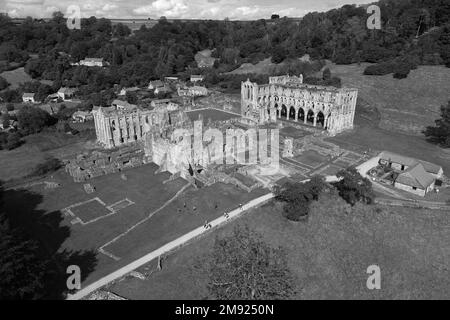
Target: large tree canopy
[(243, 267)]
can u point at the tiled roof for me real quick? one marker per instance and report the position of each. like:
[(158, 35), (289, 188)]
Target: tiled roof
[(407, 161), (416, 176)]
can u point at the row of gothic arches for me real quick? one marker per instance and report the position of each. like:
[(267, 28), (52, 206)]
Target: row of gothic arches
[(316, 119)]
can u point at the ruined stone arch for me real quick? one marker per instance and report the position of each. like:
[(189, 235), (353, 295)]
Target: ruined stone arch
[(310, 116), (284, 111), (301, 114), (292, 113), (320, 119)]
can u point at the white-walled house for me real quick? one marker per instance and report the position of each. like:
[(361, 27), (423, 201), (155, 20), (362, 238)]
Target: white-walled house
[(28, 97), (66, 93), (197, 78), (155, 84), (93, 62), (413, 175), (82, 116)]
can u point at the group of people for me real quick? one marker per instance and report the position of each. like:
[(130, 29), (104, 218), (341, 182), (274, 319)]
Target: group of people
[(208, 225)]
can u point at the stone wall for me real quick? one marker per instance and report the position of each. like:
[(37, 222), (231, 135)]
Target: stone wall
[(99, 163)]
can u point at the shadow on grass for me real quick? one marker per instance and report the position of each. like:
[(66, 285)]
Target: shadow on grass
[(21, 208)]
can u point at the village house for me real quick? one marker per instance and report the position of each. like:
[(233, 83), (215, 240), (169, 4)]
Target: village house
[(194, 91), (204, 60), (197, 78), (124, 91), (66, 93), (28, 97), (164, 103), (123, 105), (155, 84), (93, 62), (82, 116), (415, 176), (171, 79), (198, 91), (163, 90)]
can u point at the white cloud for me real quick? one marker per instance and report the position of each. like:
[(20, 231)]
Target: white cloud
[(168, 8), (109, 7)]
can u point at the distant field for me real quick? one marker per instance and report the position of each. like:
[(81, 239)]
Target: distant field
[(406, 105), (262, 67), (16, 77)]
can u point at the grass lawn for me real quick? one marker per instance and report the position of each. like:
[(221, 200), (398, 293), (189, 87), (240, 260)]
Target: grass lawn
[(20, 162), (148, 192), (293, 132), (329, 254), (406, 105), (176, 219), (90, 211), (213, 114), (16, 77), (311, 158), (362, 138)]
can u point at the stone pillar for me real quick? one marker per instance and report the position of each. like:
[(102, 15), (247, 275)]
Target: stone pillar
[(315, 120)]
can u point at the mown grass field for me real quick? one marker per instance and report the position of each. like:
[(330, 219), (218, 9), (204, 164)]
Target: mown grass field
[(16, 77), (329, 254), (20, 162), (406, 105), (147, 190)]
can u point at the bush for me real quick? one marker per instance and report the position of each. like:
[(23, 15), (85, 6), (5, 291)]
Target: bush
[(33, 120), (379, 69), (13, 141), (9, 107)]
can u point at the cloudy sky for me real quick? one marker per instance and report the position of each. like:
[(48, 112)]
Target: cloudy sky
[(208, 9)]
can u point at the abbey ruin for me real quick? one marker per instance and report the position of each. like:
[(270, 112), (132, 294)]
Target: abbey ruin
[(155, 132), (288, 98)]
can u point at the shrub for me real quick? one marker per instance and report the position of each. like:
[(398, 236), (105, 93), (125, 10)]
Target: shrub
[(13, 141), (9, 107), (379, 69)]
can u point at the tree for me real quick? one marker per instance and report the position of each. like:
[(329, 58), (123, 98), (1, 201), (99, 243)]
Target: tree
[(353, 187), (440, 133), (131, 97), (33, 120), (279, 54), (14, 140), (275, 17), (243, 267), (298, 196), (5, 120)]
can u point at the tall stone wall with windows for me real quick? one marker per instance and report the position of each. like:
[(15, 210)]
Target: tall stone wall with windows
[(329, 108)]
